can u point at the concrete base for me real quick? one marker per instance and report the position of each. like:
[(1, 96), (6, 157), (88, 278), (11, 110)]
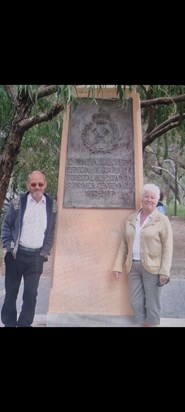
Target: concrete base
[(42, 321), (77, 320), (86, 320)]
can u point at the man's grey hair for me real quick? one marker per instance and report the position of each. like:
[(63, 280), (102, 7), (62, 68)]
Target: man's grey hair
[(150, 187)]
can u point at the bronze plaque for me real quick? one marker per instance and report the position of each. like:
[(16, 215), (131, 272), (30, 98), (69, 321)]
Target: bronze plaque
[(100, 155)]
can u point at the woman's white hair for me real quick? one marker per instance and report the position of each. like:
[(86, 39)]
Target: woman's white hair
[(150, 187)]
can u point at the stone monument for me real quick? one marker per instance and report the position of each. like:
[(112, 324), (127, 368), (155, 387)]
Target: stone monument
[(100, 181)]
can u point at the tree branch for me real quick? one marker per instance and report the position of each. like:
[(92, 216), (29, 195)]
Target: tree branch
[(152, 136), (163, 100), (32, 121), (11, 93), (166, 170), (163, 128), (44, 91)]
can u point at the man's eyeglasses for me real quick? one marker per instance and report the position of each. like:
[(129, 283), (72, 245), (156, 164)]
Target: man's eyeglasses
[(37, 184), (163, 283)]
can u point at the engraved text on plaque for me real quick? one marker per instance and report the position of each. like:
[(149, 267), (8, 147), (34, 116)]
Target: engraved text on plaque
[(100, 156)]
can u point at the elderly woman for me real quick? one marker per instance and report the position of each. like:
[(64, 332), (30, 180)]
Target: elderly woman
[(146, 249)]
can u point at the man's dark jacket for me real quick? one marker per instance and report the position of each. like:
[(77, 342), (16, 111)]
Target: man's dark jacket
[(12, 224)]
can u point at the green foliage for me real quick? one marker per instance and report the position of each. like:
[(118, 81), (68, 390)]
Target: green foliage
[(40, 147), (164, 112), (66, 94), (5, 112), (180, 210), (40, 150), (121, 92), (28, 90)]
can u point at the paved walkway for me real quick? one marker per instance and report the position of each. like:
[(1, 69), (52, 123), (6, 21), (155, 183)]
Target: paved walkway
[(172, 314)]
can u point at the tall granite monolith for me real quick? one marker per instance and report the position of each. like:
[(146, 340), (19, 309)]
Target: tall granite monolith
[(100, 180)]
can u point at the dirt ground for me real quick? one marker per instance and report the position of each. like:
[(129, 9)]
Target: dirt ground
[(178, 261)]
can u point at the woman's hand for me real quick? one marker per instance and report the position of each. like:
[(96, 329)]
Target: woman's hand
[(117, 275), (163, 279)]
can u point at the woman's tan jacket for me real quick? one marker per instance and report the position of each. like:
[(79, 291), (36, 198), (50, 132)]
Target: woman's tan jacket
[(156, 245)]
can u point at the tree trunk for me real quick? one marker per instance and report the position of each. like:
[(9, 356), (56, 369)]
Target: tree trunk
[(8, 158)]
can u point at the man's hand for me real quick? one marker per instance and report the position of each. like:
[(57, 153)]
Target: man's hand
[(44, 258)]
